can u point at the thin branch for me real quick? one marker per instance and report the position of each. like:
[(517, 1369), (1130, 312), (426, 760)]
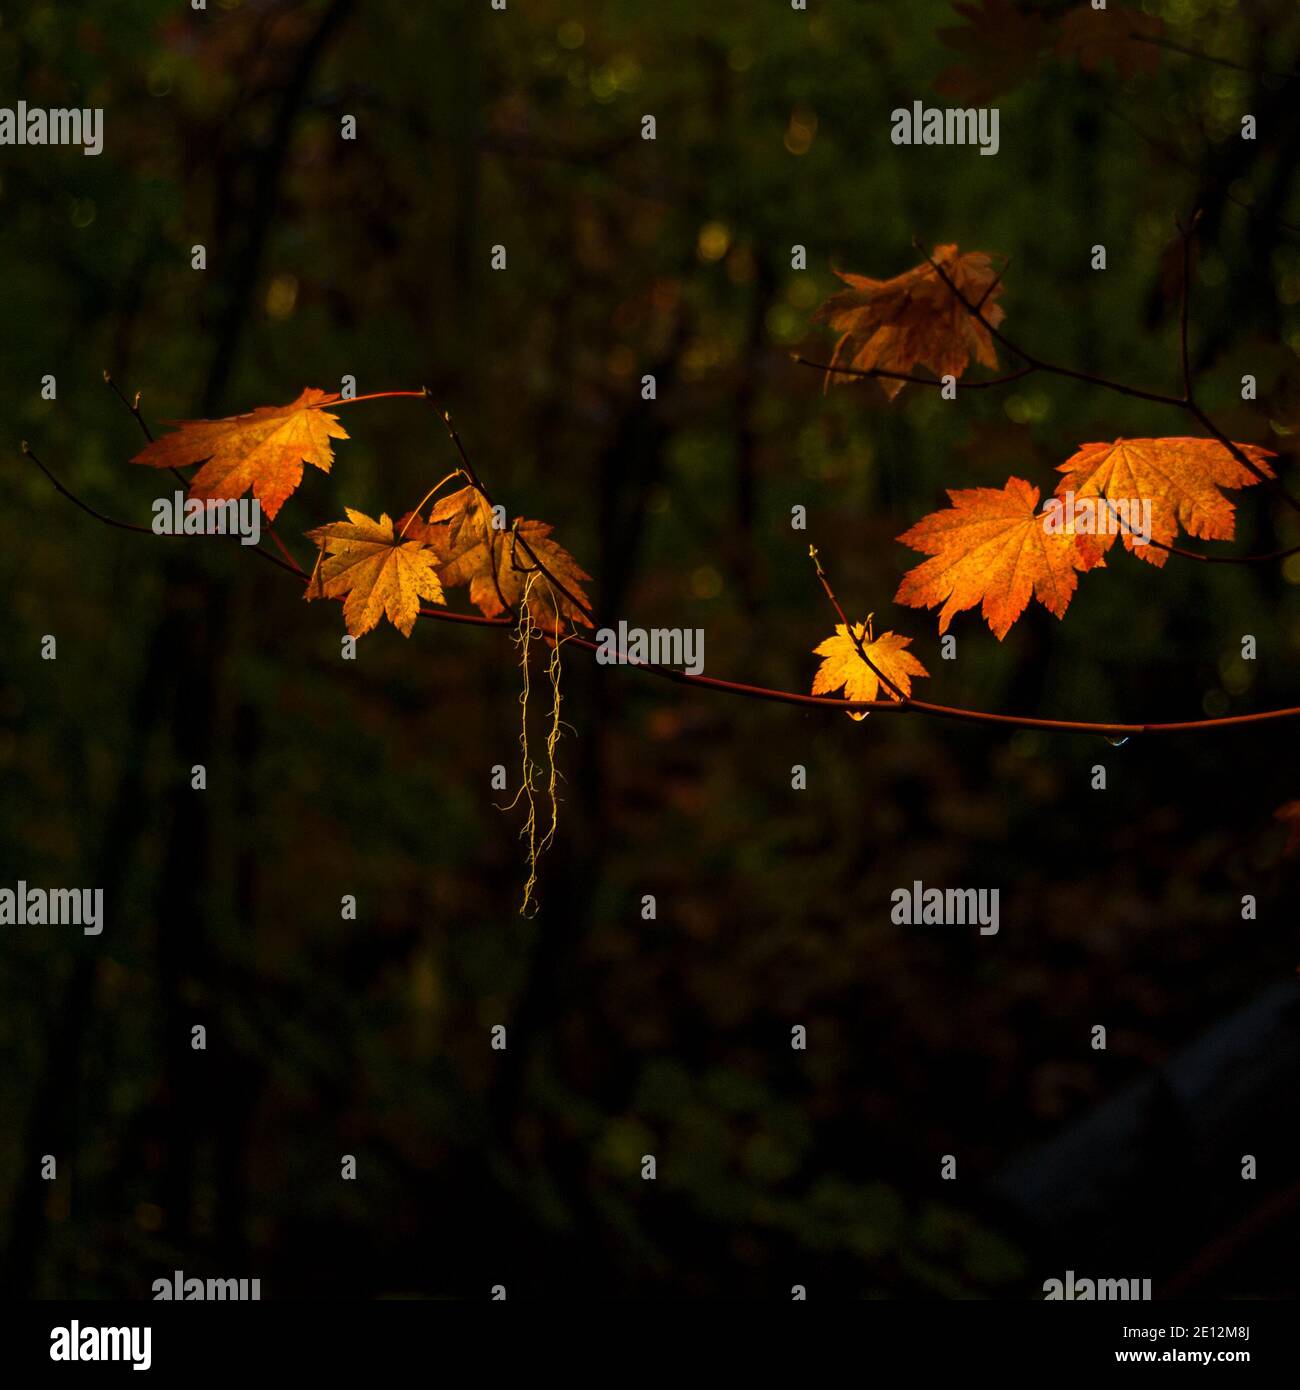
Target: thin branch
[(134, 408), (993, 284), (477, 484), (285, 551), (968, 716), (1177, 402), (1039, 363), (76, 501), (447, 616), (1263, 557), (131, 525), (1158, 41), (1126, 530), (790, 697), (371, 396), (915, 380), (1247, 463), (415, 511)]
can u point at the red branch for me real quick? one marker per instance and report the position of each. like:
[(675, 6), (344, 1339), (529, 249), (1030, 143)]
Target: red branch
[(831, 704)]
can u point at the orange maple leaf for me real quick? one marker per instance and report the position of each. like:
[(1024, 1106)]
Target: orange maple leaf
[(992, 547), (843, 666), (495, 563), (1179, 477), (375, 572), (1122, 37), (893, 325), (264, 450)]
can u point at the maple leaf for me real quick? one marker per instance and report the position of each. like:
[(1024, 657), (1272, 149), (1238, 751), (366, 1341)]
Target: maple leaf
[(914, 318), (1001, 39), (1122, 37), (374, 571), (1180, 477), (264, 450), (495, 564), (991, 547), (842, 665)]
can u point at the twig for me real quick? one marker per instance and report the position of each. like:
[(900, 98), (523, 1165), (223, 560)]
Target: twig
[(1159, 41), (1127, 530), (27, 449), (1038, 363), (134, 408), (916, 380), (1177, 402)]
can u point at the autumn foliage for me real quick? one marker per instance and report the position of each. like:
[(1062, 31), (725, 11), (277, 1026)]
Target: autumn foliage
[(996, 548), (992, 549), (377, 568), (989, 548), (915, 319)]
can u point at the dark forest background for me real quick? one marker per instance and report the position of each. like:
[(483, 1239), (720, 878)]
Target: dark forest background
[(626, 1037)]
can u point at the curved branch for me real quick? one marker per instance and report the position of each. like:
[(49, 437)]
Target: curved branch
[(292, 567), (791, 697), (916, 380), (1184, 402)]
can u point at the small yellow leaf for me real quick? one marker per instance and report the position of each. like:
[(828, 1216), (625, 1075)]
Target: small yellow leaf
[(374, 573), (842, 665)]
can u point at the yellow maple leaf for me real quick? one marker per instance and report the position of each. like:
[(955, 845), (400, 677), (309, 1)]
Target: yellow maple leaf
[(376, 573), (894, 325), (992, 548), (1180, 478), (263, 450), (843, 666)]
